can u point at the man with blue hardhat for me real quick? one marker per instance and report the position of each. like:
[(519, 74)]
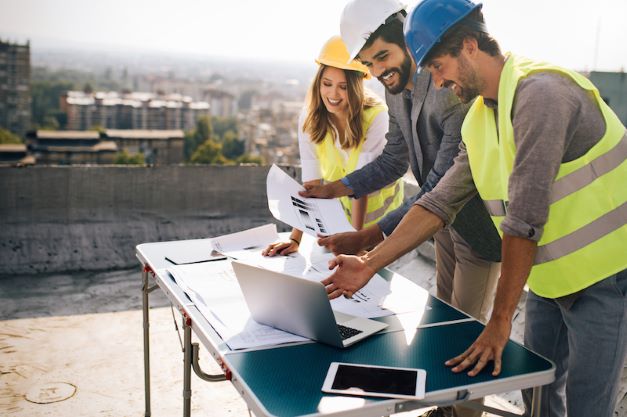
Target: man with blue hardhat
[(424, 133), (548, 158)]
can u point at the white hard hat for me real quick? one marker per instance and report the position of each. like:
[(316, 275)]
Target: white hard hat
[(362, 17)]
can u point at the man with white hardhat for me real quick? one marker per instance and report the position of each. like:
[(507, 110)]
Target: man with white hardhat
[(424, 131), (549, 159)]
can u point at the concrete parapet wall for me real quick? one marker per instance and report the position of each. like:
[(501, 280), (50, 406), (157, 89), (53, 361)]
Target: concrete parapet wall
[(55, 219)]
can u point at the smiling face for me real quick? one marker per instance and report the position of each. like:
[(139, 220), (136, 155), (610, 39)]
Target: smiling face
[(457, 74), (389, 63), (334, 90)]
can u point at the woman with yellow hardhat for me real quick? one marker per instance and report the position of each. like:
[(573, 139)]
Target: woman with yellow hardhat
[(341, 129)]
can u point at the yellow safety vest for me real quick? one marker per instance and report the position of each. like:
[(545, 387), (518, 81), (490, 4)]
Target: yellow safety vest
[(333, 167), (585, 236)]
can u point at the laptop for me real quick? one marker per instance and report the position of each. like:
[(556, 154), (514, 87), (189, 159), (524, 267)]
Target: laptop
[(299, 306)]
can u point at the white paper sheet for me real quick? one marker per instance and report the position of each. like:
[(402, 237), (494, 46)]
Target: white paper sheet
[(258, 237), (202, 252), (311, 215)]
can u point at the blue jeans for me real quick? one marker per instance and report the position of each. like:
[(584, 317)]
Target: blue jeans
[(586, 337)]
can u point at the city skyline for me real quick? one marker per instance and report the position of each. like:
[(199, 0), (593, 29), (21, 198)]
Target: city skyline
[(571, 34)]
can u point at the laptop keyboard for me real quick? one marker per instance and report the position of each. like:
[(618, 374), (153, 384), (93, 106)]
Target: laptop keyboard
[(347, 332)]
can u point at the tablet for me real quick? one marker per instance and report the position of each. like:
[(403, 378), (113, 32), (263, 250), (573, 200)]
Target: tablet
[(375, 381)]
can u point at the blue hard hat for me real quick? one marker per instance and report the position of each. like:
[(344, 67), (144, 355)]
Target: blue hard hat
[(429, 20)]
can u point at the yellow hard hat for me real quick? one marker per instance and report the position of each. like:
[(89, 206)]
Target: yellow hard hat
[(335, 54)]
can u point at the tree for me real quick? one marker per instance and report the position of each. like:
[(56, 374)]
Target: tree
[(196, 137), (7, 137), (124, 158), (210, 152), (46, 108), (232, 148), (248, 159), (221, 125)]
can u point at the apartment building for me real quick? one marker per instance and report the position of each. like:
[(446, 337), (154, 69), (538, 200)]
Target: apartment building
[(15, 94), (132, 110)]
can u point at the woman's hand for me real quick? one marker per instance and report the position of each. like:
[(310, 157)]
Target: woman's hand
[(281, 248)]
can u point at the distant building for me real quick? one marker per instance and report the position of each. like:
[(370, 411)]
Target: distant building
[(134, 110), (15, 97), (270, 129), (15, 155), (222, 103), (66, 147), (613, 89), (159, 147)]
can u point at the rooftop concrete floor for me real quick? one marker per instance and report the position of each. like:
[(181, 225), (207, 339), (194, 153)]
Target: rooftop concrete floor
[(71, 345)]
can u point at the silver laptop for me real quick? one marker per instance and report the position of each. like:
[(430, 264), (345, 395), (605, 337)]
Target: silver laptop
[(299, 306)]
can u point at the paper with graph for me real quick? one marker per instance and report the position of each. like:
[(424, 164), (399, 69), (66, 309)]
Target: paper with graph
[(311, 215)]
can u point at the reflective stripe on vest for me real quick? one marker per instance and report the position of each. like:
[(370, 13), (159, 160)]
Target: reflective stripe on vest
[(586, 230), (396, 189), (333, 167)]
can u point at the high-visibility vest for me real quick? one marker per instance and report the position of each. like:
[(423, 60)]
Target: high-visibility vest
[(585, 236), (333, 167)]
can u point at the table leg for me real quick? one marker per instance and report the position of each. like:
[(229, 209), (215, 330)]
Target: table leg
[(536, 401), (187, 366), (145, 307)]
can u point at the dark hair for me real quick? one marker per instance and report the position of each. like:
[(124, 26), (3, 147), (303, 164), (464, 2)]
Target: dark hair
[(452, 41), (391, 31)]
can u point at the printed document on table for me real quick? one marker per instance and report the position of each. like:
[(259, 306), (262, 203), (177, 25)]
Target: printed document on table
[(311, 215), (214, 290)]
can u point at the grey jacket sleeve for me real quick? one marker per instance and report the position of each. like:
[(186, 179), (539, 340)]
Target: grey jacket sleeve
[(449, 121), (386, 168)]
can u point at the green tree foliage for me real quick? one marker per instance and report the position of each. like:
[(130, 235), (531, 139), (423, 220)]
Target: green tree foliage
[(248, 159), (46, 103), (210, 152), (124, 158), (221, 125), (232, 147), (7, 138), (196, 137)]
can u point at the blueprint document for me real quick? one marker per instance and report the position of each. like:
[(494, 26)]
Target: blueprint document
[(311, 215)]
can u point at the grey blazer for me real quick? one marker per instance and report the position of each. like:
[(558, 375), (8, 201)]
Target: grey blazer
[(425, 131)]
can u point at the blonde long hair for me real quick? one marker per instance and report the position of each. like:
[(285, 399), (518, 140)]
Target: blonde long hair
[(318, 120)]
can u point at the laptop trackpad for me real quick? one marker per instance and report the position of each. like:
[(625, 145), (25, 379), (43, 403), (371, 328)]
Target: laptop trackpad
[(342, 318), (358, 323)]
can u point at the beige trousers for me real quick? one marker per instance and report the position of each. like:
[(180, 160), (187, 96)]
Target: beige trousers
[(465, 281)]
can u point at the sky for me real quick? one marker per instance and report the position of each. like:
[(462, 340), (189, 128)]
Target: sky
[(583, 35)]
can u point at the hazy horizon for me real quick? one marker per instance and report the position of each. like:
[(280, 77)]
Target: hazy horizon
[(569, 33)]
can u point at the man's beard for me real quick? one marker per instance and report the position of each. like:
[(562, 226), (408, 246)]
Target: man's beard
[(470, 86), (403, 76)]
